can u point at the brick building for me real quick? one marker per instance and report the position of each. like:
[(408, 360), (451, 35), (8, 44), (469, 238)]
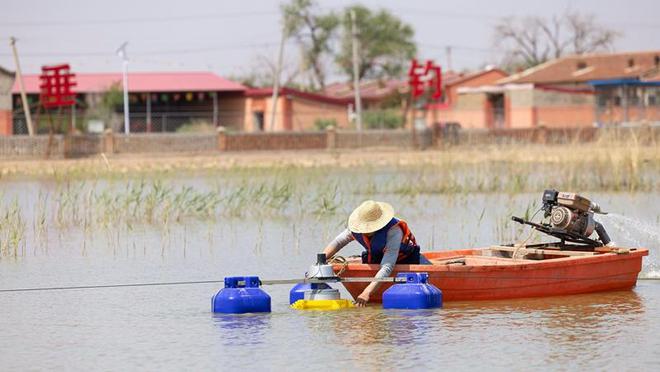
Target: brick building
[(296, 110), (574, 91), (159, 102), (469, 111), (6, 82)]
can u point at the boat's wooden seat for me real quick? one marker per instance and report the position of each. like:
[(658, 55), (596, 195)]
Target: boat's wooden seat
[(520, 252), (475, 260)]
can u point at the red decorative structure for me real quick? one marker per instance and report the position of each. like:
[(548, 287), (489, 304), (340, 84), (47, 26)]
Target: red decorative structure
[(424, 76), (56, 86)]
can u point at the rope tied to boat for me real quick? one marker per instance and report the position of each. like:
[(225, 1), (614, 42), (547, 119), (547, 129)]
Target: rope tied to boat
[(520, 247), (339, 260)]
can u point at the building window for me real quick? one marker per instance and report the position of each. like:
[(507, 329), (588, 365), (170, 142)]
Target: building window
[(259, 120), (617, 100), (581, 65), (634, 99), (652, 100), (631, 63), (602, 100), (657, 60)]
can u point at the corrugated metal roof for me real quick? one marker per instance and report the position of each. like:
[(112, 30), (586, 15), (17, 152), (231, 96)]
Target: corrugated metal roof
[(143, 82)]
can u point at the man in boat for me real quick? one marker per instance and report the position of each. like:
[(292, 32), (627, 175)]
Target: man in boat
[(387, 241)]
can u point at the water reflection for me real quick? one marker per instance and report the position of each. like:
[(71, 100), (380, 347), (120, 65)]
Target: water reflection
[(242, 329)]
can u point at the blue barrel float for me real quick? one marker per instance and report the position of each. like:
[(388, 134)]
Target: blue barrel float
[(415, 293), (298, 291), (241, 294)]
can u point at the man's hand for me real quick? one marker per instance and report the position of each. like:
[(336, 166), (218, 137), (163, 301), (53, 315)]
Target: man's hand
[(362, 299)]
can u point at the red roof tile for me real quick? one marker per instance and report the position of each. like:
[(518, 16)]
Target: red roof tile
[(144, 82), (369, 90), (583, 68), (267, 92)]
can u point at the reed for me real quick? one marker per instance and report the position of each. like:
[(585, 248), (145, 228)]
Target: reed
[(12, 230), (157, 194)]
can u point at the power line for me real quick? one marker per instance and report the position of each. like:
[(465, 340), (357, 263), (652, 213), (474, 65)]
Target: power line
[(477, 16), (140, 19), (148, 53), (458, 47)]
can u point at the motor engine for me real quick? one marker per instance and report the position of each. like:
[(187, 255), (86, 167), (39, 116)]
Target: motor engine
[(572, 213)]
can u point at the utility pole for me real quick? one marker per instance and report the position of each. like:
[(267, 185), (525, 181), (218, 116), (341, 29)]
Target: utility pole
[(448, 52), (276, 81), (21, 86), (356, 73), (121, 52)]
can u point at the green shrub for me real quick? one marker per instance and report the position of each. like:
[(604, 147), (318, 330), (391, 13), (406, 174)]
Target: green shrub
[(196, 126), (322, 124), (383, 119)]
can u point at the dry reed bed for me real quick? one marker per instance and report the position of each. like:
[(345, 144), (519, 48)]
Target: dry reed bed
[(92, 194)]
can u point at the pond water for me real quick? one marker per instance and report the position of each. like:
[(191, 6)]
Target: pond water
[(172, 328)]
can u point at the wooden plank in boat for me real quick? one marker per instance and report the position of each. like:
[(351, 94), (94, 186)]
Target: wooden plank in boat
[(524, 251)]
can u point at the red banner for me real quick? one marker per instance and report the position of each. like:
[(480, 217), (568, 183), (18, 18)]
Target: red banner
[(423, 77), (56, 86)]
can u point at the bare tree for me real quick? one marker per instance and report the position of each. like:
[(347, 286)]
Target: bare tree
[(314, 32), (530, 41), (262, 71)]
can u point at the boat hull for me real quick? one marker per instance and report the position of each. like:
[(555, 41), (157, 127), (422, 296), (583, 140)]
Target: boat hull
[(513, 278)]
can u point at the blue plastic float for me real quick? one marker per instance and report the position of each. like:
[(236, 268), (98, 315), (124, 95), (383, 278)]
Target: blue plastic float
[(240, 295), (415, 293)]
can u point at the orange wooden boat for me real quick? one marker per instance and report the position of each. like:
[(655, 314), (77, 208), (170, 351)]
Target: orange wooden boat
[(503, 272)]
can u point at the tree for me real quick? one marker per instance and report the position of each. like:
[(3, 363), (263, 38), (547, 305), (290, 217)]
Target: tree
[(262, 71), (531, 41), (106, 105), (314, 33), (386, 43)]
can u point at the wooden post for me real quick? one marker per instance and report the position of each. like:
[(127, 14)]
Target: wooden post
[(222, 138), (21, 86), (438, 140), (108, 142), (413, 130), (331, 138)]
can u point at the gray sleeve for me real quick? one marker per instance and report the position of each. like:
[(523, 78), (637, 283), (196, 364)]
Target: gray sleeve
[(342, 239), (394, 236)]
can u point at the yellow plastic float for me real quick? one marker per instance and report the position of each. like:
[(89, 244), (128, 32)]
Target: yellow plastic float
[(322, 304)]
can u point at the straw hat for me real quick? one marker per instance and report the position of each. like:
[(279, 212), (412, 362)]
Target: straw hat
[(370, 216)]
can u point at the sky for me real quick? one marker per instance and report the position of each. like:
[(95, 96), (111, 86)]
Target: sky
[(231, 37)]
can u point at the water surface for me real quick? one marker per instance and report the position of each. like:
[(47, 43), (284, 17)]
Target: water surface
[(172, 328)]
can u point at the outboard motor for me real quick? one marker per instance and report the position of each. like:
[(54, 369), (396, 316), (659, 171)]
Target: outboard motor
[(570, 217), (573, 213)]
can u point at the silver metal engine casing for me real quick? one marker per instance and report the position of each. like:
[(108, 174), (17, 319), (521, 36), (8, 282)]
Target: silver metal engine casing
[(561, 217), (573, 221), (320, 271), (322, 294)]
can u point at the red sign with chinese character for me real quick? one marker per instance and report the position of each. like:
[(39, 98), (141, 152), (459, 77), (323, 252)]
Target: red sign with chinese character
[(56, 86), (423, 76)]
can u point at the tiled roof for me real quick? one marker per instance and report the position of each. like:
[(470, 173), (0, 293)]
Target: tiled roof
[(583, 68), (379, 89), (268, 91), (369, 90)]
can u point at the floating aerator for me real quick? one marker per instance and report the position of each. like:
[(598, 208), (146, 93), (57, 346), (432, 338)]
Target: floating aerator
[(415, 293), (298, 291), (241, 294)]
